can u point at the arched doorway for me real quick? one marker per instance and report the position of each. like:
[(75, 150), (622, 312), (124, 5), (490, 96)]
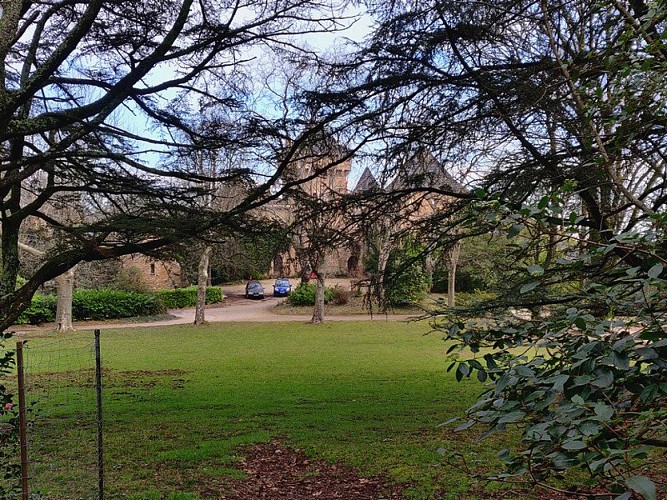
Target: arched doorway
[(353, 266)]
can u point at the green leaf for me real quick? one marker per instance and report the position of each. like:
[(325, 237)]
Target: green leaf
[(543, 202), (463, 370), (649, 393), (464, 426), (574, 445), (512, 417), (481, 376), (559, 382), (589, 428), (642, 485), (535, 270), (515, 230), (620, 360), (603, 411), (580, 323), (655, 272), (598, 465), (524, 371), (529, 286), (604, 378), (501, 383)]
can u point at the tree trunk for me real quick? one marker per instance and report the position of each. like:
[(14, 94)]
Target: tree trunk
[(383, 259), (318, 310), (453, 258), (202, 282), (10, 257), (65, 283)]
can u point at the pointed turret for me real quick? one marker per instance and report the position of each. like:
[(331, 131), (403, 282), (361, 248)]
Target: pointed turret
[(367, 182)]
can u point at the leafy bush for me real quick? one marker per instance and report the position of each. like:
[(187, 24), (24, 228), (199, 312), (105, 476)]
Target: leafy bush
[(9, 443), (214, 295), (304, 295), (408, 285), (42, 310), (591, 395), (187, 297), (112, 304), (404, 280)]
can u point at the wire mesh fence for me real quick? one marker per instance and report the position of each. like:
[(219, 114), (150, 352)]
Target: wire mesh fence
[(62, 416)]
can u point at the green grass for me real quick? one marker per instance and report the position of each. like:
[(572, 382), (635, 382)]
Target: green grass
[(355, 306), (181, 403)]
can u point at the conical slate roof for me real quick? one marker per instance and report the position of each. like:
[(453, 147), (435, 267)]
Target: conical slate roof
[(367, 182), (423, 170)]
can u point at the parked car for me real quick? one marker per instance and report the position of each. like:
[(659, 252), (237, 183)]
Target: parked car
[(254, 290), (282, 288)]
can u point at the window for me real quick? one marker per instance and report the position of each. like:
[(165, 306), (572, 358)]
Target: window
[(152, 269)]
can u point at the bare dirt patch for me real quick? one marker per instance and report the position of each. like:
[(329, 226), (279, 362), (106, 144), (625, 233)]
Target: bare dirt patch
[(110, 379), (276, 472)]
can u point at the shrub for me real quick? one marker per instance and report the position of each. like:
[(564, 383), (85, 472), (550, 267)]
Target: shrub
[(409, 287), (304, 295), (130, 279), (112, 304), (187, 297), (214, 295), (9, 433), (340, 296), (42, 310)]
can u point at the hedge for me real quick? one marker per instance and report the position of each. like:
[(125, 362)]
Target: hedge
[(94, 305), (113, 304), (187, 297)]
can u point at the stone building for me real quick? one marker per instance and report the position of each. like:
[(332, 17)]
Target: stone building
[(335, 163), (346, 259), (414, 202), (155, 274)]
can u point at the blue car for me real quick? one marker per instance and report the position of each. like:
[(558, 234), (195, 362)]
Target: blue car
[(282, 288)]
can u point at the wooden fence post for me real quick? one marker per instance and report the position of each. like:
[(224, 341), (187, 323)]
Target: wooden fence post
[(23, 425)]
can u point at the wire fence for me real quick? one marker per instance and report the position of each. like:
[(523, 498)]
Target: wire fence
[(61, 389)]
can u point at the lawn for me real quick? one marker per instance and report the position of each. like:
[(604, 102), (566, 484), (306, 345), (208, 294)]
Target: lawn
[(181, 403)]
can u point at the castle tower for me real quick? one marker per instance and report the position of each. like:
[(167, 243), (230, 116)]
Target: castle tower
[(324, 155)]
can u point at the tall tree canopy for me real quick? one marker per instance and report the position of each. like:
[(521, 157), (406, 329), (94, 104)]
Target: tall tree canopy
[(556, 112), (94, 98), (522, 95)]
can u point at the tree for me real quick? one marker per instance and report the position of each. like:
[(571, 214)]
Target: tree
[(556, 111), (321, 223), (94, 97)]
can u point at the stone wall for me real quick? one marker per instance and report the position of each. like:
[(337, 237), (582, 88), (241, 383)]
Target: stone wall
[(156, 274)]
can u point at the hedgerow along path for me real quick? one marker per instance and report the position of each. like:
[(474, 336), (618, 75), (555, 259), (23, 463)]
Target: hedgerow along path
[(182, 402)]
